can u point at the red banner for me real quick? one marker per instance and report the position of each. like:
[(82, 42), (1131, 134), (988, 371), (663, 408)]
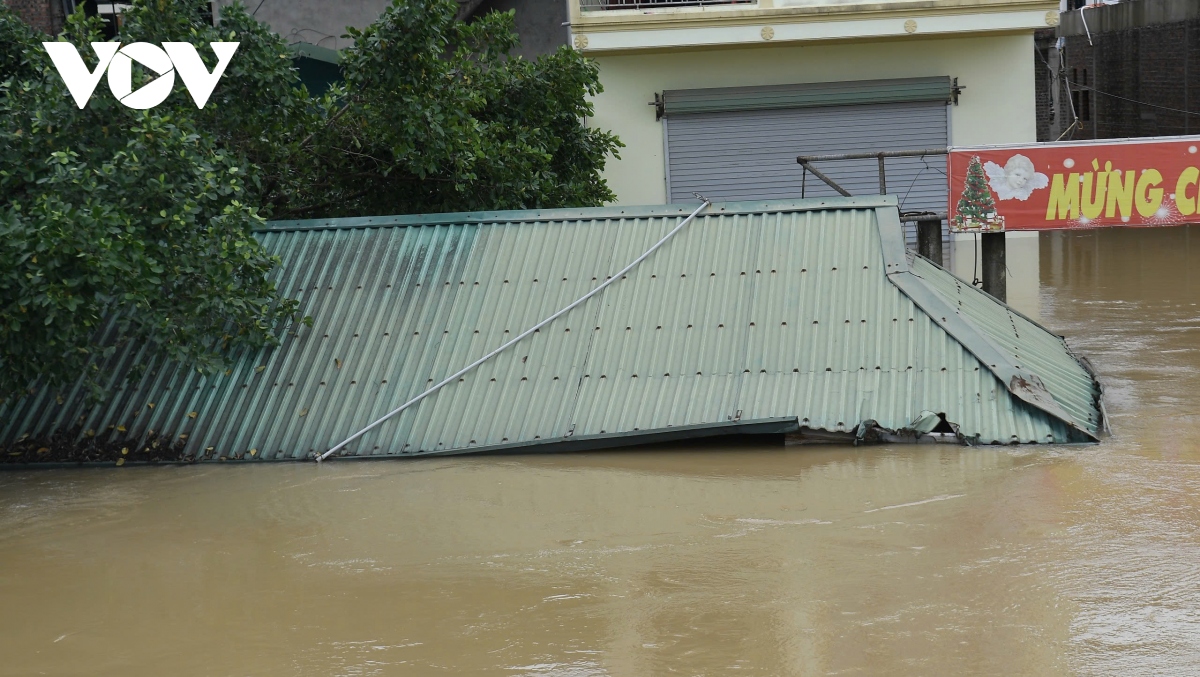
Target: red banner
[(1048, 186)]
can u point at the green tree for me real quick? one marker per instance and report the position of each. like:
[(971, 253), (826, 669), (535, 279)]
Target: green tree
[(117, 226), (259, 112), (434, 115), (976, 201), (437, 115)]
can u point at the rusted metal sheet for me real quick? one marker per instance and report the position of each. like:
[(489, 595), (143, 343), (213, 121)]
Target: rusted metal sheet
[(758, 317)]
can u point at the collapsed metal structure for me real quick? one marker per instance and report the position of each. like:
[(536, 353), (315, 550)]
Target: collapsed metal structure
[(801, 317)]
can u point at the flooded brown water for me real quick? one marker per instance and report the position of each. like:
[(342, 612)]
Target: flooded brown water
[(707, 561)]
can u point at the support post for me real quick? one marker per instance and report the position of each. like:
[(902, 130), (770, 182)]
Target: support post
[(994, 269), (929, 240)]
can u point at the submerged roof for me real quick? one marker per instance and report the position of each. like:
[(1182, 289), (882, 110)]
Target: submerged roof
[(756, 317)]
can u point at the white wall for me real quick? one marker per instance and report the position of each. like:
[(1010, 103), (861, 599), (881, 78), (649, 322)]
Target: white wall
[(997, 106)]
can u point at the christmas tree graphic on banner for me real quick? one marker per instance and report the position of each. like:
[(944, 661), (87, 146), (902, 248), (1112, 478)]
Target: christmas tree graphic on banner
[(976, 210)]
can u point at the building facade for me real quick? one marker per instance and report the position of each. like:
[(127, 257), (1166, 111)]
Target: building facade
[(1121, 70), (44, 15), (720, 97)]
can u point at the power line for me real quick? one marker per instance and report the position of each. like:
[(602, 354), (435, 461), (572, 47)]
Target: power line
[(1069, 84), (1140, 103)]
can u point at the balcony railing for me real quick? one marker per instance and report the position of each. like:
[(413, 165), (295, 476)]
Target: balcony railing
[(603, 5)]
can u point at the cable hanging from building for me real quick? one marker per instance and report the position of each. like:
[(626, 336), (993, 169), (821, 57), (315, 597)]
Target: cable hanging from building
[(1068, 84), (1140, 103)]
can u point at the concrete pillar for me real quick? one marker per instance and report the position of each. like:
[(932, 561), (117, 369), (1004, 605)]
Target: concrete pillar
[(929, 240), (995, 279)]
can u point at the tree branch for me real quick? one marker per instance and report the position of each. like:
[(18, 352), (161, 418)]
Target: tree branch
[(328, 123), (306, 208)]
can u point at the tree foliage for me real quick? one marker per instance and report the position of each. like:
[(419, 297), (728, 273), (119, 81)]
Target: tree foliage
[(461, 125), (434, 115), (119, 225)]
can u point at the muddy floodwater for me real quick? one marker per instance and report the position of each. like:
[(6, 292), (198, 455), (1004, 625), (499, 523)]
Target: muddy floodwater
[(703, 560)]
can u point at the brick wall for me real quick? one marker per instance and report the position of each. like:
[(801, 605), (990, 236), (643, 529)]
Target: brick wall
[(45, 15), (1156, 64)]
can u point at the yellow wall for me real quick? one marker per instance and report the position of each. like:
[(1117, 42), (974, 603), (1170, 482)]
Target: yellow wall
[(997, 105)]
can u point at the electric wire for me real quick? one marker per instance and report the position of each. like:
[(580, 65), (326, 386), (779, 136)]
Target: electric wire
[(975, 281), (1068, 84), (1140, 103), (911, 184), (924, 160), (1075, 121)]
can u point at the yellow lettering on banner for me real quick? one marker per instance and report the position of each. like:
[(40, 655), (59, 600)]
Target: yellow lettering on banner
[(1120, 194), (1188, 177), (1095, 184), (1149, 199), (1064, 197)]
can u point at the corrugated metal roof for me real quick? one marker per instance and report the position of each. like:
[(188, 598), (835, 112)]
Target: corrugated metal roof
[(767, 316), (1068, 379)]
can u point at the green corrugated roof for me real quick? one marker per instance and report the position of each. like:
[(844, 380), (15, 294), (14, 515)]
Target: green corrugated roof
[(765, 97), (769, 316)]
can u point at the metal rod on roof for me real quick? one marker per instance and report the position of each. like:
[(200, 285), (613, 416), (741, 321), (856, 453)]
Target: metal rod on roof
[(917, 217), (828, 181), (613, 278), (803, 159)]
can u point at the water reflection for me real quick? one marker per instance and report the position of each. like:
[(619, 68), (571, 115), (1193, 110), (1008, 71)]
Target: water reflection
[(681, 560)]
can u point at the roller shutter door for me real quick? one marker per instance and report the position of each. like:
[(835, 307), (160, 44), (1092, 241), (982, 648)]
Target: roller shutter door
[(751, 154)]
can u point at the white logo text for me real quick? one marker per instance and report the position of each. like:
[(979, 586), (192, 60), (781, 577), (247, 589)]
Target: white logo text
[(166, 61)]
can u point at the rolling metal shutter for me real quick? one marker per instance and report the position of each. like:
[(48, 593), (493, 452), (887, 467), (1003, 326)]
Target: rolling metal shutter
[(846, 93), (751, 154)]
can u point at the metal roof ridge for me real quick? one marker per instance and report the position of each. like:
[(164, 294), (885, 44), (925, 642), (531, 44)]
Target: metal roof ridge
[(1022, 383), (579, 213)]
